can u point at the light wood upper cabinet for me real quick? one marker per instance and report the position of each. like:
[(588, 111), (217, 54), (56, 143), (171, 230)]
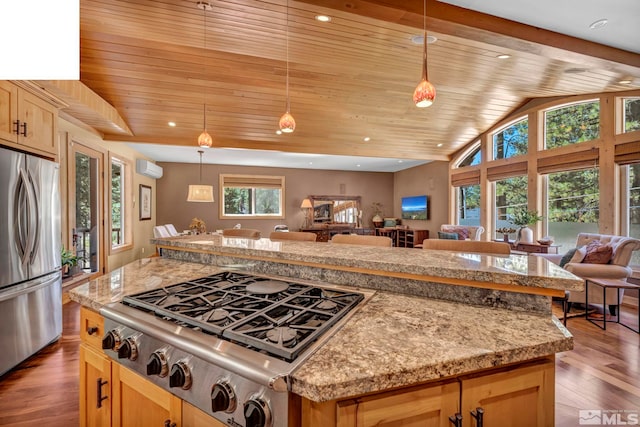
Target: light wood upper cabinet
[(95, 388), (27, 121)]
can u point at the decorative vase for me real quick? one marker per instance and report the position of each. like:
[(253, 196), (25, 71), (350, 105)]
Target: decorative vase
[(524, 235), (377, 221), (505, 237)]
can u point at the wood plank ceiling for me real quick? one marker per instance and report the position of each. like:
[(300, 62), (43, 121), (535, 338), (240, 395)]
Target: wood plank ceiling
[(349, 78)]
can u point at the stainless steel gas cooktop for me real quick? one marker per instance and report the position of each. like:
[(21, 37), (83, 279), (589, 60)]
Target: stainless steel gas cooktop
[(228, 342)]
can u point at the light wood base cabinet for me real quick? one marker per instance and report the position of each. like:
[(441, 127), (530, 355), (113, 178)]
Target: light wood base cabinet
[(95, 388), (520, 396), (194, 417)]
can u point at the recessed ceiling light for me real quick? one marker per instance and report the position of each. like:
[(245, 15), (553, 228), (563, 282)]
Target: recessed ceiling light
[(440, 145), (172, 124), (310, 163), (503, 56), (357, 165), (366, 139), (323, 18), (399, 161), (624, 82), (598, 24), (418, 39), (278, 132)]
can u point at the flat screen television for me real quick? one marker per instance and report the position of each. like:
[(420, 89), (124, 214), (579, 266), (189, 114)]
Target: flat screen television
[(415, 207)]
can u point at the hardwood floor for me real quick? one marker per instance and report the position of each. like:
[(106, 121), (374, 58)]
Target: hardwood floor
[(602, 372)]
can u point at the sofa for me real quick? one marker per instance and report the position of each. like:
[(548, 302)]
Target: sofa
[(616, 268), (464, 232)]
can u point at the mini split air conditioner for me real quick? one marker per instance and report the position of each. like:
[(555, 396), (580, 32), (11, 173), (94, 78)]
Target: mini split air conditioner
[(146, 168)]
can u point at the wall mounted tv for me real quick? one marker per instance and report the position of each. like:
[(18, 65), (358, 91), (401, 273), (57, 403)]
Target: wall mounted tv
[(415, 207)]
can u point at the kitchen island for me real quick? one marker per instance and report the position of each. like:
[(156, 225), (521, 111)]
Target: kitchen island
[(398, 349)]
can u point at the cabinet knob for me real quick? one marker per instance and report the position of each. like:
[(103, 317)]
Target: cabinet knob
[(92, 330)]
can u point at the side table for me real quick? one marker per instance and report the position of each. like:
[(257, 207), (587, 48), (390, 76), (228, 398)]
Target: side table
[(605, 284)]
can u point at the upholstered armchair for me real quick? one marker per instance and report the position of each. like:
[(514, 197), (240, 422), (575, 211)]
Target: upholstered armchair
[(617, 268), (464, 232)]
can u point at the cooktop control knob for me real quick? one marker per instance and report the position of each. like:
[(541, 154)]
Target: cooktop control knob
[(180, 375), (223, 398), (157, 364), (128, 349), (257, 413), (112, 340)]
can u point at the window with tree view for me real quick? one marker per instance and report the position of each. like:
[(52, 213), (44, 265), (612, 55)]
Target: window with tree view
[(473, 158), (511, 141), (469, 205), (634, 207), (121, 203), (571, 124), (252, 196), (631, 114), (572, 205), (510, 197)]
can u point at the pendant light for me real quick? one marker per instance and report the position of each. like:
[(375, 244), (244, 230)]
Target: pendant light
[(199, 192), (287, 122), (204, 140), (425, 93)]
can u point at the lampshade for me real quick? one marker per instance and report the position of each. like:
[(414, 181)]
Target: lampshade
[(200, 193), (306, 204), (287, 123)]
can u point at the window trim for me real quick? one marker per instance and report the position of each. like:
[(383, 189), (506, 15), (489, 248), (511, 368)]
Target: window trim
[(258, 181), (127, 235)]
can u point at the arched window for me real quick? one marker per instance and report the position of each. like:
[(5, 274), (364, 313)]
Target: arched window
[(571, 124), (512, 140)]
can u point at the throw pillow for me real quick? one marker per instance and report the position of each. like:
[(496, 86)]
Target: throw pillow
[(462, 232), (449, 236), (598, 253), (567, 257)]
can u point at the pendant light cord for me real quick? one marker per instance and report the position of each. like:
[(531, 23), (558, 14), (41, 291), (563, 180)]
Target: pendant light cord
[(424, 41), (287, 43), (201, 152), (204, 67)]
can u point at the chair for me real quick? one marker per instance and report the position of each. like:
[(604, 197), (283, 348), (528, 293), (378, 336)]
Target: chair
[(494, 248), (465, 232), (241, 232), (356, 239), (172, 230), (160, 231), (293, 235), (617, 268)]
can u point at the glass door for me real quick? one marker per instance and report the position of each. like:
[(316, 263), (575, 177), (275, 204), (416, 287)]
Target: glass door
[(85, 207)]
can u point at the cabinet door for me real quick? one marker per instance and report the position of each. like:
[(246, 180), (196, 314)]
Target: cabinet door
[(523, 397), (41, 119), (428, 406), (95, 388), (194, 417), (8, 111), (140, 403)]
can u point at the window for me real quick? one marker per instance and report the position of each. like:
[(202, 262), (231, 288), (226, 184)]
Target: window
[(631, 114), (571, 124), (246, 196), (511, 141), (468, 202), (121, 215), (472, 159), (572, 205), (510, 196), (633, 213)]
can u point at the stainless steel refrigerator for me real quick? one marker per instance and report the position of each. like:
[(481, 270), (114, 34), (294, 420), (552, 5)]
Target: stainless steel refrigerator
[(30, 274)]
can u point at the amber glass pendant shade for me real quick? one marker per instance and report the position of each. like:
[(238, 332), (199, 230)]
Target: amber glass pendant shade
[(205, 140), (287, 123), (424, 94)]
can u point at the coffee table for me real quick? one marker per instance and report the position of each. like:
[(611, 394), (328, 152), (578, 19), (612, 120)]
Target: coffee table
[(605, 284)]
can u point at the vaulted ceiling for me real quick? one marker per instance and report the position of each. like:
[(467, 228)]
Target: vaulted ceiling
[(350, 78)]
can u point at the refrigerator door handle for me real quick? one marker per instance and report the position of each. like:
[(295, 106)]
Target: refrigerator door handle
[(34, 212), (19, 215), (28, 287)]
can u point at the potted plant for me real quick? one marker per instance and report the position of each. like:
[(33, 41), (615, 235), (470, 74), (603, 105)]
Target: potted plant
[(198, 226), (69, 261), (523, 219)]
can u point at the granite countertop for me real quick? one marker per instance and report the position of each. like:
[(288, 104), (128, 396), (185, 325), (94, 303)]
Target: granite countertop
[(393, 340), (520, 270)]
